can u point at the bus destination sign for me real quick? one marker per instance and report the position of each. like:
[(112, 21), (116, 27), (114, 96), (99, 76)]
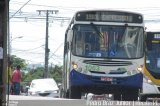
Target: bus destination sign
[(109, 16)]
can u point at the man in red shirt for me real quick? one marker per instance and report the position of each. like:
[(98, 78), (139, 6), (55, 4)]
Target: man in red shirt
[(16, 79)]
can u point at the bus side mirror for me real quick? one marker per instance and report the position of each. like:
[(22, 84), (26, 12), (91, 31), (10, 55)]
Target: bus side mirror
[(69, 35)]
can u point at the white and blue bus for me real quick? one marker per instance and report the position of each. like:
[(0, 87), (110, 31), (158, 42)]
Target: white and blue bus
[(104, 54)]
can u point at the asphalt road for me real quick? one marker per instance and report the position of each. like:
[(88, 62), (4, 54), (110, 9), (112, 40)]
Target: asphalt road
[(48, 101), (43, 101)]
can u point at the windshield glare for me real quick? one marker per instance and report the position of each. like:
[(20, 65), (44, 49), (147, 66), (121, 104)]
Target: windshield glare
[(107, 41)]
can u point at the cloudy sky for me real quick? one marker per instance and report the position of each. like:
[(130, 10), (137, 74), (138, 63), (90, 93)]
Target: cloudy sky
[(31, 30)]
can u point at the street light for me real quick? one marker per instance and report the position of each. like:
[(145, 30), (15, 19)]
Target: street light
[(10, 43)]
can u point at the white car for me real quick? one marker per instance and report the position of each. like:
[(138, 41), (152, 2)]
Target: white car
[(44, 87)]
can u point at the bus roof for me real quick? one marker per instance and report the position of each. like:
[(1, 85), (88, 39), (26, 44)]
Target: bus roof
[(87, 10)]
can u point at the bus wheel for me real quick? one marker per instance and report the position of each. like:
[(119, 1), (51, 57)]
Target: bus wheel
[(74, 93), (143, 98), (67, 94), (130, 95), (117, 96)]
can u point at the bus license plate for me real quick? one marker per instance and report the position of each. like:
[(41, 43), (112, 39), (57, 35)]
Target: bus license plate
[(106, 79)]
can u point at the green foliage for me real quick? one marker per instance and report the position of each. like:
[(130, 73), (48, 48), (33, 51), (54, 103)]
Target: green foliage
[(18, 61), (54, 72), (34, 74)]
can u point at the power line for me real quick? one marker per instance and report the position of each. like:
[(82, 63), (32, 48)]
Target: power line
[(56, 50), (73, 8), (24, 52), (33, 48), (37, 40), (143, 10), (58, 7), (20, 9)]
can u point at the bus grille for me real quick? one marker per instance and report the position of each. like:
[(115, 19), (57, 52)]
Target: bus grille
[(108, 62)]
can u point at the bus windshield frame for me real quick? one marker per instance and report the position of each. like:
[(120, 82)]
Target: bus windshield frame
[(108, 41)]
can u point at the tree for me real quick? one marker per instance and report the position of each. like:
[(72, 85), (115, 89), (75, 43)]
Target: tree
[(34, 74), (18, 61), (54, 72)]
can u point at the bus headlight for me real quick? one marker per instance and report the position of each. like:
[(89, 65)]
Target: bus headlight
[(132, 72), (135, 70), (75, 66), (140, 68)]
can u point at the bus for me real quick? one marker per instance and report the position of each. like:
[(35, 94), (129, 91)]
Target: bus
[(104, 54), (151, 86)]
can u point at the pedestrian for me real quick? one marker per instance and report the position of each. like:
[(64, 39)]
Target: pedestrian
[(9, 76), (16, 80)]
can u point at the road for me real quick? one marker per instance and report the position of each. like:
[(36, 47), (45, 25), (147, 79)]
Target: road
[(48, 101), (43, 101)]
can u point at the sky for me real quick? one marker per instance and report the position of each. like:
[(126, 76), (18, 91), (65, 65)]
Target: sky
[(27, 34)]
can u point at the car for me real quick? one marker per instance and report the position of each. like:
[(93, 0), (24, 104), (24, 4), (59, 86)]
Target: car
[(44, 87)]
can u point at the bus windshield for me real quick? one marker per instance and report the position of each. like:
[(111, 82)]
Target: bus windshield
[(153, 58), (107, 41)]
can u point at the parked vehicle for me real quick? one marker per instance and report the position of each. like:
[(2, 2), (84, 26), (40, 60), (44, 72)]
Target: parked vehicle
[(44, 87)]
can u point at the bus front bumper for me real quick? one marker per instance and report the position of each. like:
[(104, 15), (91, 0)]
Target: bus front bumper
[(94, 83)]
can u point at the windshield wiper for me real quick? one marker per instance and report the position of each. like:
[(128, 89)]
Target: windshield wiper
[(97, 31)]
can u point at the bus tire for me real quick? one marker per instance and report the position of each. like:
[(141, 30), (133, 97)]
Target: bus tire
[(74, 93), (130, 95), (67, 94), (143, 98), (117, 96)]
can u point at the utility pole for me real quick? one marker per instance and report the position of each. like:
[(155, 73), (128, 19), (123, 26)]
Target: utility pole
[(4, 31), (46, 39)]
